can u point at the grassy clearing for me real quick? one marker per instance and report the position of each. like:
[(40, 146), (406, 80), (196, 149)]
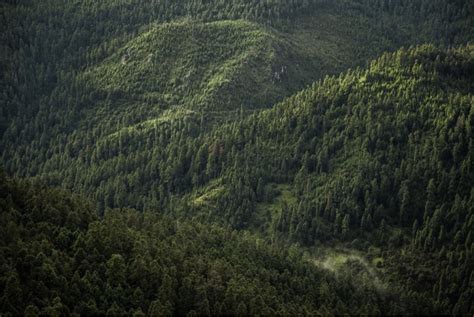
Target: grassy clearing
[(207, 196), (267, 212)]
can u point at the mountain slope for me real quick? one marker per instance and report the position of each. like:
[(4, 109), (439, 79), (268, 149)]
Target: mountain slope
[(373, 157), (118, 101), (61, 96), (377, 159), (60, 259), (69, 94), (214, 66)]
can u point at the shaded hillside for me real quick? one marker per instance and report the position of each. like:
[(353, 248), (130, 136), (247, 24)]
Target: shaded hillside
[(383, 154), (157, 106), (58, 259), (405, 124), (378, 159), (62, 107)]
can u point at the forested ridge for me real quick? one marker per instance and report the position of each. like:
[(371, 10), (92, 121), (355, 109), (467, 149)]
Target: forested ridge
[(237, 157)]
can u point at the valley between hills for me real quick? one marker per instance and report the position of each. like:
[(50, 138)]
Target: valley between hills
[(271, 157)]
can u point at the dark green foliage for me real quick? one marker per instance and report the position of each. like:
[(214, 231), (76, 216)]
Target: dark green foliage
[(135, 263), (389, 146), (373, 153), (74, 110), (427, 115), (159, 106)]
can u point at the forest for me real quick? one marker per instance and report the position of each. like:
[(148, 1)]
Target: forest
[(304, 157)]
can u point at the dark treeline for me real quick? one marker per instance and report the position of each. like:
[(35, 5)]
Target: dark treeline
[(59, 259)]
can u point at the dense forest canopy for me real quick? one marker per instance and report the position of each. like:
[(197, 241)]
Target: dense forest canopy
[(237, 157), (67, 261)]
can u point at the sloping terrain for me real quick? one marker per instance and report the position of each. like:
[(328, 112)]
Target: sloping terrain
[(99, 81), (381, 156), (166, 107), (59, 259), (214, 66)]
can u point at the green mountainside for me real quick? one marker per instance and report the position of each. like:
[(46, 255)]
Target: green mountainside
[(306, 40), (319, 168), (59, 259), (82, 95), (216, 65), (382, 157), (237, 157)]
